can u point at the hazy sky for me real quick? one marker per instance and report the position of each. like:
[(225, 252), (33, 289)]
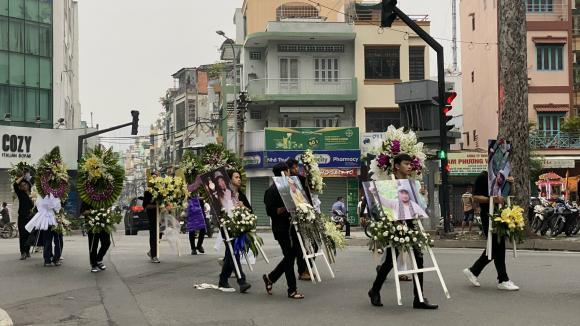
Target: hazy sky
[(130, 48)]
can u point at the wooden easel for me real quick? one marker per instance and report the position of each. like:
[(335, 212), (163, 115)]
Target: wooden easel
[(309, 258)]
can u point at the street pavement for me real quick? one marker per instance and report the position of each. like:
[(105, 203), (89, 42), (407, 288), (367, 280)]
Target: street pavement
[(135, 292)]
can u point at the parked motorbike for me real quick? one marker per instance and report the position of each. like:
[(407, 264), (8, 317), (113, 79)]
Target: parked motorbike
[(573, 220), (339, 219)]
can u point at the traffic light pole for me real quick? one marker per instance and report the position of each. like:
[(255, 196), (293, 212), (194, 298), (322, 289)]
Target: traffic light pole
[(443, 189)]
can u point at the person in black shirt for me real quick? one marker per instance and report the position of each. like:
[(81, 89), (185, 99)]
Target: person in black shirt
[(22, 189), (96, 255), (300, 261), (285, 235), (481, 196), (228, 266), (151, 209)]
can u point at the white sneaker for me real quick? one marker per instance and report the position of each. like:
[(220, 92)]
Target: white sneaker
[(507, 286), (472, 278)]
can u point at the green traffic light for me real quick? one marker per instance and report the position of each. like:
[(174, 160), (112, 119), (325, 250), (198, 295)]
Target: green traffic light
[(442, 155)]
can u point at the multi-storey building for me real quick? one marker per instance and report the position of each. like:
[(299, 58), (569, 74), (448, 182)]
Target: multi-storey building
[(550, 78)]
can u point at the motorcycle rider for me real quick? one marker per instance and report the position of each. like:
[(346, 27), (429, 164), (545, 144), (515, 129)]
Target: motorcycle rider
[(339, 214)]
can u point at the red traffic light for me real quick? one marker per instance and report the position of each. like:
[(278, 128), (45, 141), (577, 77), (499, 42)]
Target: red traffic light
[(449, 97), (448, 168)]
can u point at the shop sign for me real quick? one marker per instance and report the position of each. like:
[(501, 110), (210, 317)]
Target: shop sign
[(300, 139), (253, 160), (325, 159), (548, 163), (467, 163), (19, 144)]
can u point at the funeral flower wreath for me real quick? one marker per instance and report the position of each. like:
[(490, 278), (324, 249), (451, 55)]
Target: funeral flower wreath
[(52, 176), (313, 175), (100, 177), (386, 232), (397, 141), (241, 226), (509, 222)]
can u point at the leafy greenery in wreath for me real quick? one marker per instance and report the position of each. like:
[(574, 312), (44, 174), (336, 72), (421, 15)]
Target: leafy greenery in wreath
[(100, 177), (52, 176)]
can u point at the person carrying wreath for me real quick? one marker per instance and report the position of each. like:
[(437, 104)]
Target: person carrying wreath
[(96, 254), (286, 236), (22, 187), (151, 210), (402, 170)]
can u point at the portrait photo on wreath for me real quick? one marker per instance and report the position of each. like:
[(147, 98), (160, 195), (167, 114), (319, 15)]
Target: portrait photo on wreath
[(291, 192), (217, 185), (498, 168), (401, 197)]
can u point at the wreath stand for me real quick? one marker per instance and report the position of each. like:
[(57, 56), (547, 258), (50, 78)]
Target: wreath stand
[(309, 258), (489, 229), (415, 270)]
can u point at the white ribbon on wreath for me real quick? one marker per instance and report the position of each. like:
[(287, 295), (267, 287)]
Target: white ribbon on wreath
[(47, 208)]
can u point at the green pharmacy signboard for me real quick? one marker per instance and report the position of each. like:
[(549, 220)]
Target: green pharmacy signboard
[(292, 139)]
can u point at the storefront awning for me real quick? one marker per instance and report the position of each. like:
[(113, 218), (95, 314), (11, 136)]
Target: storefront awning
[(551, 107)]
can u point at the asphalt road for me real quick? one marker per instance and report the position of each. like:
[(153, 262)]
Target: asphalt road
[(135, 292)]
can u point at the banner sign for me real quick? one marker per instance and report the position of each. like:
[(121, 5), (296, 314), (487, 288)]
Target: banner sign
[(253, 160), (371, 142), (338, 173), (467, 163), (325, 159), (300, 139), (30, 144), (548, 163)]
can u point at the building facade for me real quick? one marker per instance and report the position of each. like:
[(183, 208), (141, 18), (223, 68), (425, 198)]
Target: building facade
[(552, 96)]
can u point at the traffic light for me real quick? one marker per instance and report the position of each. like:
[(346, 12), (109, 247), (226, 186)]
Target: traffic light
[(135, 123), (449, 97), (387, 14), (442, 154)]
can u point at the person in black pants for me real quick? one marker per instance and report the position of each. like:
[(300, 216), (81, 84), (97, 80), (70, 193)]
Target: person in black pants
[(402, 169), (22, 190), (303, 274), (96, 254), (285, 235), (480, 195), (151, 209), (51, 256)]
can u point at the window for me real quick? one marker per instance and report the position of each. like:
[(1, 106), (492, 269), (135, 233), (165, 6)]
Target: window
[(16, 36), (380, 121), (325, 69), (256, 115), (16, 67), (382, 63), (325, 122), (31, 10), (3, 33), (4, 7), (4, 101), (32, 39), (326, 48), (288, 69), (45, 11), (191, 118), (44, 110), (472, 15), (289, 122), (4, 79), (16, 8), (45, 74), (45, 37), (549, 56), (180, 117), (416, 63), (540, 6), (255, 55), (32, 65), (31, 105), (17, 103), (296, 10), (549, 123)]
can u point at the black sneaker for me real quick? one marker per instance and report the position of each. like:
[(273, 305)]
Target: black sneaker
[(155, 260), (244, 287), (94, 269), (200, 249), (28, 255), (375, 298), (194, 252), (424, 305), (23, 257), (101, 266), (57, 263)]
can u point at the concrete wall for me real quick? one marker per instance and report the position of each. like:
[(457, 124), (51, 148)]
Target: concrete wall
[(259, 12), (381, 95), (480, 93), (65, 68)]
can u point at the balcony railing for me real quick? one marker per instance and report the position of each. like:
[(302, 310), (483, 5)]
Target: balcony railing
[(262, 88), (555, 140), (547, 11)]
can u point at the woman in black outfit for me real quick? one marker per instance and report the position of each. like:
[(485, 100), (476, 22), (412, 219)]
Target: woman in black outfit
[(22, 189), (96, 255)]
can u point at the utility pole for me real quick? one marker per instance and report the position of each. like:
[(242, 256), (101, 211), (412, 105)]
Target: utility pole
[(513, 92)]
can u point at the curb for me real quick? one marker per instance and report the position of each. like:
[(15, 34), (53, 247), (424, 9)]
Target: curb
[(5, 319), (533, 244)]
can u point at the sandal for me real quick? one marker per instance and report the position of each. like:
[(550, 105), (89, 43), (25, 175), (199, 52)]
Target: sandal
[(295, 295), (404, 278), (268, 284)]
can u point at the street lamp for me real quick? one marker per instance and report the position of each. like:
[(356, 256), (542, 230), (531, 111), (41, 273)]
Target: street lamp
[(231, 42)]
